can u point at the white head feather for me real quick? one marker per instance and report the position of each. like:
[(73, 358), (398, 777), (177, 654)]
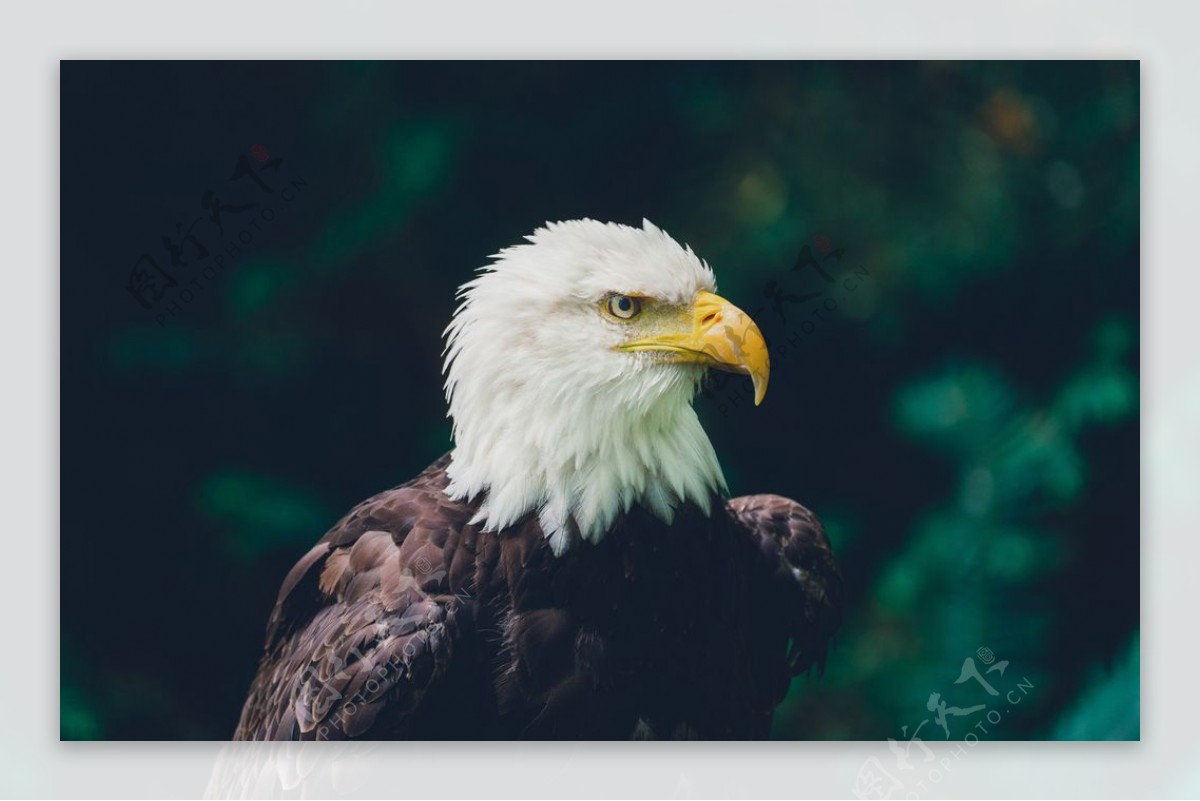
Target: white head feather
[(548, 418)]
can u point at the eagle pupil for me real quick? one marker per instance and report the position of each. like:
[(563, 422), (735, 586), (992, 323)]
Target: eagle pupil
[(625, 304)]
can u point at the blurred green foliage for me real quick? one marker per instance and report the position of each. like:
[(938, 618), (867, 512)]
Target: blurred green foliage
[(965, 420)]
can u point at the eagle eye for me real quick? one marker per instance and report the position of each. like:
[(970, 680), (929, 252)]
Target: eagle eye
[(624, 307)]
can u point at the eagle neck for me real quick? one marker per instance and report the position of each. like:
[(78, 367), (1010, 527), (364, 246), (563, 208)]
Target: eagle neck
[(581, 461)]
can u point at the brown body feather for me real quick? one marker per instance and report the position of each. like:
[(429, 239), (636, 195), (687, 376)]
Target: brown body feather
[(405, 621)]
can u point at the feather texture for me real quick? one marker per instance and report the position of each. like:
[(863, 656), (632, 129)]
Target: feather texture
[(407, 620)]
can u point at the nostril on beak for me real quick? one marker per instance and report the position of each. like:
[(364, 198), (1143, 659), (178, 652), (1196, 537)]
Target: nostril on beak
[(710, 318)]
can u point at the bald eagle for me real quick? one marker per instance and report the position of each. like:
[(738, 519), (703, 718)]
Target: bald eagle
[(573, 567)]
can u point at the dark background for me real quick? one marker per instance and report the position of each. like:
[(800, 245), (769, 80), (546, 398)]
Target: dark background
[(965, 420)]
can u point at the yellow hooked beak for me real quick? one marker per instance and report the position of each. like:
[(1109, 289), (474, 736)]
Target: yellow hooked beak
[(718, 334)]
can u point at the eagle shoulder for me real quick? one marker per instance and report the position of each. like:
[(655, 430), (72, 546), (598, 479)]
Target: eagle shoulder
[(366, 620), (805, 579)]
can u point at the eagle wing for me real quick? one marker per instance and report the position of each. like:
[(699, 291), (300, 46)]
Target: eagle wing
[(804, 579), (364, 622)]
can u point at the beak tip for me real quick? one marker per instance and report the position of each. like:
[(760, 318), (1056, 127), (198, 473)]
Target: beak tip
[(760, 390)]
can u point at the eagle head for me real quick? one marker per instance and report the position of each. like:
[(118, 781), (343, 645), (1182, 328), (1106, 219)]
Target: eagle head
[(571, 364)]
